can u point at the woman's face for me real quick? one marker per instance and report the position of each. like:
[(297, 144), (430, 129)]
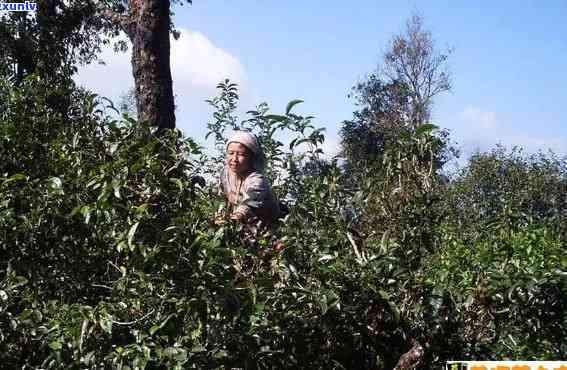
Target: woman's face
[(238, 158)]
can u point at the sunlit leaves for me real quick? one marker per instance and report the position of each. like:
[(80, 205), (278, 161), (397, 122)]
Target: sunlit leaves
[(111, 257)]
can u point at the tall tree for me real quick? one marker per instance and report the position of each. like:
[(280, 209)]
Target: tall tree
[(147, 23), (380, 118), (64, 34), (413, 60), (397, 97)]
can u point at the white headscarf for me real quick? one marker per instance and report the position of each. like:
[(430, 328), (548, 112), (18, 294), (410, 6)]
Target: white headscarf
[(249, 141)]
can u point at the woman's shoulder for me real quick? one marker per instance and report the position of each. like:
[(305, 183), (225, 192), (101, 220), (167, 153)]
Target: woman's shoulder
[(255, 179)]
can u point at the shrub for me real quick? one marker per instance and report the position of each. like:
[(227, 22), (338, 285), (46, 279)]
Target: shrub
[(110, 259)]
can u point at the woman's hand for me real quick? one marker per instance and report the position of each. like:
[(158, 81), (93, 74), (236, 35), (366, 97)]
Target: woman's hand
[(220, 220), (239, 216)]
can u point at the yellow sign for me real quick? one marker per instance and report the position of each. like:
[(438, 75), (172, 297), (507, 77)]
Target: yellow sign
[(506, 365)]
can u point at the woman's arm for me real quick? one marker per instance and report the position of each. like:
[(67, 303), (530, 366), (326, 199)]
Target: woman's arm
[(257, 198)]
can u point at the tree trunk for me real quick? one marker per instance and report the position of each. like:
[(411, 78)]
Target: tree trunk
[(148, 31)]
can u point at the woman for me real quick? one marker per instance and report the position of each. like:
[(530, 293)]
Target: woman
[(243, 184)]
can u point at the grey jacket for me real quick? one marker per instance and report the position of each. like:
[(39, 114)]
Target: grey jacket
[(251, 195)]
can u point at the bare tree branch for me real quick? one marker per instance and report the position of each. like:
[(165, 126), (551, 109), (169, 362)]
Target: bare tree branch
[(413, 60)]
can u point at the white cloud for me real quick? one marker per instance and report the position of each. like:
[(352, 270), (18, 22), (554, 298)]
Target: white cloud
[(112, 79), (481, 130), (331, 145), (477, 117), (197, 66), (197, 63)]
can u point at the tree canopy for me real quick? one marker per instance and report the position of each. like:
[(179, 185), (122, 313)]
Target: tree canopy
[(397, 97)]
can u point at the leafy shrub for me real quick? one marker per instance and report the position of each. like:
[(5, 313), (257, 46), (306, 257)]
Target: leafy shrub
[(110, 259), (501, 186), (508, 291)]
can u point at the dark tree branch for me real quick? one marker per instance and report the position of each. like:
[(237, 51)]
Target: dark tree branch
[(124, 21)]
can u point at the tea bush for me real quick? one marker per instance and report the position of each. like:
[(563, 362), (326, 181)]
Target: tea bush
[(110, 257)]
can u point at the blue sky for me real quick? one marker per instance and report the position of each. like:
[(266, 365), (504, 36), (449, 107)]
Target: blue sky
[(508, 63)]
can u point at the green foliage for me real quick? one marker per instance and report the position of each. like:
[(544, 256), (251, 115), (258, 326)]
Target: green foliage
[(284, 163), (53, 41), (508, 291), (109, 256), (378, 121), (91, 222), (501, 186), (396, 99)]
